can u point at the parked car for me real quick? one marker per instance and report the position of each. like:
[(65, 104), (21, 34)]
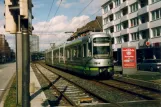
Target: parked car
[(150, 64)]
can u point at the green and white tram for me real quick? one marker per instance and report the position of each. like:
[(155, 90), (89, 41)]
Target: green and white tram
[(90, 55)]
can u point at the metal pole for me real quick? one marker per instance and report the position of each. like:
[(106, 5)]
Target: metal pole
[(19, 64), (25, 67)]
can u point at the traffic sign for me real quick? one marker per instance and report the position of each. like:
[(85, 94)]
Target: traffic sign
[(147, 43)]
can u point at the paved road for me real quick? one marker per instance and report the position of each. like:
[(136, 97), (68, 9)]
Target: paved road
[(6, 73)]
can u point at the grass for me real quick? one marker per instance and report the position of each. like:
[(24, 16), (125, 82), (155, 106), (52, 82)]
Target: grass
[(144, 77), (10, 100)]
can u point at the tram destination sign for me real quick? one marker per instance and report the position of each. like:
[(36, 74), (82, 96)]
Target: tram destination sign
[(129, 57)]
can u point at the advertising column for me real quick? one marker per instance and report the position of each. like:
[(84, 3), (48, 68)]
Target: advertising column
[(129, 63)]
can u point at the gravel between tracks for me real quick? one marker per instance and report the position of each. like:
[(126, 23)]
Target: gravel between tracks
[(106, 93)]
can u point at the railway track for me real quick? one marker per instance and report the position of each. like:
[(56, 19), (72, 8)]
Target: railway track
[(73, 94), (144, 92), (81, 96)]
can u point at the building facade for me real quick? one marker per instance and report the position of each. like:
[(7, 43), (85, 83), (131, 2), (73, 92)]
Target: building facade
[(5, 51), (134, 23), (34, 43), (92, 26)]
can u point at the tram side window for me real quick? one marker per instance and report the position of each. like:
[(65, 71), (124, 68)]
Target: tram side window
[(75, 52), (84, 50), (71, 54), (68, 55), (53, 55), (89, 49), (61, 53), (57, 56), (79, 51)]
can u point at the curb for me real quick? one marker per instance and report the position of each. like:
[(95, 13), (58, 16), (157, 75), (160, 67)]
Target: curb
[(6, 91)]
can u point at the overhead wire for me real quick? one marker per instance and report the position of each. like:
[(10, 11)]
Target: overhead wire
[(80, 12), (91, 15), (48, 15), (55, 14)]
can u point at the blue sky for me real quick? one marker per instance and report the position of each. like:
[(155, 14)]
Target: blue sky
[(52, 30)]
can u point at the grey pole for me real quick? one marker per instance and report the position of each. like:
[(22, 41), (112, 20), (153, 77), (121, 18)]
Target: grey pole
[(25, 67), (19, 64)]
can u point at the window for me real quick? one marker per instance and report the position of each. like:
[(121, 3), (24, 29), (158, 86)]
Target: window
[(156, 31), (105, 9), (125, 24), (68, 53), (106, 20), (118, 15), (134, 7), (79, 51), (118, 39), (111, 17), (118, 27), (125, 11), (90, 49), (145, 34), (84, 50), (135, 36), (111, 6), (153, 1), (107, 31), (125, 38), (144, 18), (134, 22), (74, 52), (112, 29), (156, 14), (117, 2), (143, 3)]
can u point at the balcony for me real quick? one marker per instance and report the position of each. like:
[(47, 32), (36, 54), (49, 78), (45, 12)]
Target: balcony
[(109, 24), (154, 6), (133, 44), (107, 14), (143, 10), (115, 34), (143, 26), (133, 29), (131, 2), (117, 21), (116, 46), (124, 18), (133, 15), (124, 31), (155, 23), (124, 4), (155, 39)]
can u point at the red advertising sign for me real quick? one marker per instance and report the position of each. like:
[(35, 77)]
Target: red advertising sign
[(129, 57)]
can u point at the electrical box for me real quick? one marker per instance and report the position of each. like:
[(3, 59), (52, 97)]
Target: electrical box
[(10, 23)]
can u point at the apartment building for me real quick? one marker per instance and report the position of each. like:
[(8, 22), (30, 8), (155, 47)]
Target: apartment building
[(134, 23), (5, 51)]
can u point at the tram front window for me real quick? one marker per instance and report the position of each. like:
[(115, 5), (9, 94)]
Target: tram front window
[(101, 51), (101, 47)]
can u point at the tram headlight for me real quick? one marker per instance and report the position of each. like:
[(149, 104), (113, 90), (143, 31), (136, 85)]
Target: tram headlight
[(110, 69), (103, 69)]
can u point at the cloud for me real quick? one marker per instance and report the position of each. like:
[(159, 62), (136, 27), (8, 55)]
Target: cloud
[(93, 7), (65, 4), (53, 30)]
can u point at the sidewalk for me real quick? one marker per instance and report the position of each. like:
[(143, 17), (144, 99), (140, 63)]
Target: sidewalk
[(37, 96)]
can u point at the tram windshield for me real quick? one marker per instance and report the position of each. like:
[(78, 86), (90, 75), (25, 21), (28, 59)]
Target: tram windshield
[(101, 47)]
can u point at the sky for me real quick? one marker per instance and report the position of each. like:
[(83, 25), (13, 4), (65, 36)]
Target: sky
[(52, 18)]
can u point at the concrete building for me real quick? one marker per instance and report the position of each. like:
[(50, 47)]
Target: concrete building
[(134, 23), (34, 43), (5, 51)]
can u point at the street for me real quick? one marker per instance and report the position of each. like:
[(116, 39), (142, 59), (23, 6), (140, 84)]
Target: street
[(6, 73)]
